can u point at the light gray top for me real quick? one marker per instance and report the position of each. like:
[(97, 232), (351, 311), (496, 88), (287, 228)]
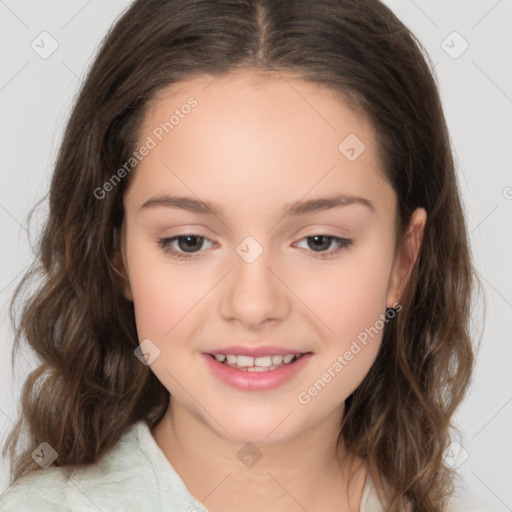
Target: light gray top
[(135, 476)]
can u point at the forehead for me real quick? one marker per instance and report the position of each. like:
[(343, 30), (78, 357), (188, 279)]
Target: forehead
[(253, 133), (256, 94)]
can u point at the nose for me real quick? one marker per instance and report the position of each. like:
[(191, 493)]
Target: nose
[(254, 295)]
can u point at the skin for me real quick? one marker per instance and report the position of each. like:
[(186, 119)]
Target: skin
[(254, 144)]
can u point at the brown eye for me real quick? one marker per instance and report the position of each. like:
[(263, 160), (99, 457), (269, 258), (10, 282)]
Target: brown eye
[(320, 242), (190, 243), (183, 246), (321, 245)]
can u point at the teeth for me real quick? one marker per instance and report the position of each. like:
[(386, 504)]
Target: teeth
[(245, 361), (256, 364), (263, 361)]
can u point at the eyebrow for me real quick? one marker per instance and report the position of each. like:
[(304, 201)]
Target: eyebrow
[(293, 209)]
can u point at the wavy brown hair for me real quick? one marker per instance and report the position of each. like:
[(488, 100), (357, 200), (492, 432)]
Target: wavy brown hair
[(89, 388)]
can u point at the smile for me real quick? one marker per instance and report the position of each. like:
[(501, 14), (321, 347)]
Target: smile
[(261, 373), (256, 364)]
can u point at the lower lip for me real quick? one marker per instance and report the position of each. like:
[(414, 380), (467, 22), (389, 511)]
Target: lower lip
[(255, 381)]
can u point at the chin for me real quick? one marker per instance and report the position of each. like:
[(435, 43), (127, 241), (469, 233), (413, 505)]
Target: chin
[(260, 427)]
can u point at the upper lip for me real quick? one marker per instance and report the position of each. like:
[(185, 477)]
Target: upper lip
[(266, 350)]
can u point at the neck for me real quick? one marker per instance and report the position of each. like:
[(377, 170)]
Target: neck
[(306, 472)]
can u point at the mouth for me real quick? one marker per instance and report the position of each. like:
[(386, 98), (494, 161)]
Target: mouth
[(256, 369), (263, 363)]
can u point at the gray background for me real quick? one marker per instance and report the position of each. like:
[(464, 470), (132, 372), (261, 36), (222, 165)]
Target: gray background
[(476, 88)]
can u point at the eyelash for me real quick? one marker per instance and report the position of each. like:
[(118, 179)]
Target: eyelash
[(164, 244)]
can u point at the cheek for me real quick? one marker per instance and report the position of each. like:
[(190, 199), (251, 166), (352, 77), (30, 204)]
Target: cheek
[(352, 304), (162, 294), (350, 299), (366, 293), (352, 295)]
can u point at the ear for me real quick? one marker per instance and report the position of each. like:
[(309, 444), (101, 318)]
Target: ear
[(119, 264), (406, 256)]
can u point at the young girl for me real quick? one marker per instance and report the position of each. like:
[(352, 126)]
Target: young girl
[(256, 274)]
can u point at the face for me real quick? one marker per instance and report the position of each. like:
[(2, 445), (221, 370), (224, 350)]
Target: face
[(258, 225)]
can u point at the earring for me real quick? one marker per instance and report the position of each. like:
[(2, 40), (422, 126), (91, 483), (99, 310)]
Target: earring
[(391, 312)]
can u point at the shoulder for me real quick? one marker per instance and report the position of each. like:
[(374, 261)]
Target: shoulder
[(40, 490), (120, 480)]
